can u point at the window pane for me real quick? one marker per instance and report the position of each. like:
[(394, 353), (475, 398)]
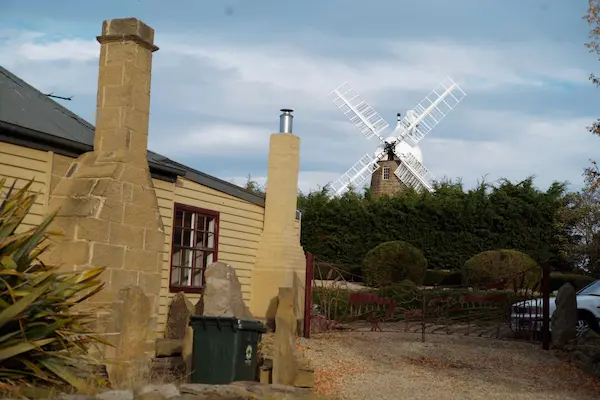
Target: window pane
[(178, 218), (187, 238), (186, 260), (175, 272), (177, 237), (210, 225), (201, 222), (186, 277), (210, 240), (176, 258), (188, 219), (209, 258), (198, 273)]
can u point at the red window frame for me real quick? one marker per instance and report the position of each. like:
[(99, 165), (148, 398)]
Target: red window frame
[(181, 229)]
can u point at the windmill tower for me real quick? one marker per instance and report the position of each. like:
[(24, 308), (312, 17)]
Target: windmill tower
[(399, 152)]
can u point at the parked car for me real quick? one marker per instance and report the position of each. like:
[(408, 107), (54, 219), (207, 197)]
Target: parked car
[(527, 315)]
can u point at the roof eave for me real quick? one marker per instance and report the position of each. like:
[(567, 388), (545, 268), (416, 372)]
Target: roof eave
[(21, 136)]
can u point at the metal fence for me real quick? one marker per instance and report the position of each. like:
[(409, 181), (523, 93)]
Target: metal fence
[(513, 308)]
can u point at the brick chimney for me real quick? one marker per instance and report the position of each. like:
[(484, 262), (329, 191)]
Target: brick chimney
[(280, 260), (107, 205)]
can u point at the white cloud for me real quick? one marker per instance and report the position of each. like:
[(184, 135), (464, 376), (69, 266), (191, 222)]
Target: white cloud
[(201, 140), (200, 80)]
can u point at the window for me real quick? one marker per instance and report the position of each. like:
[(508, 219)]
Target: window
[(194, 247), (386, 173)]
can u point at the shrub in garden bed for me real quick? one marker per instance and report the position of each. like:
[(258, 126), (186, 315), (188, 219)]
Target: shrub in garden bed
[(393, 262), (495, 266)]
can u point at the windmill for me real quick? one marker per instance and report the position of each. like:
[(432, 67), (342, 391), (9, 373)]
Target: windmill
[(400, 150)]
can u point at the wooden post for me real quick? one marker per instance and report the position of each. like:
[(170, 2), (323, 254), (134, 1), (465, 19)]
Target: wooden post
[(308, 294)]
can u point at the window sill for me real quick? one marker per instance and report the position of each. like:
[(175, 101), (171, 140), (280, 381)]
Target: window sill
[(186, 289)]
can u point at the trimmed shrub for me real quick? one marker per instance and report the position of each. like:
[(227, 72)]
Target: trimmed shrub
[(438, 277), (578, 281), (495, 266), (393, 262)]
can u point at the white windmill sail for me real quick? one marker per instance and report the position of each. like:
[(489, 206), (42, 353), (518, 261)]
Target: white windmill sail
[(361, 114), (414, 174), (430, 111), (411, 130)]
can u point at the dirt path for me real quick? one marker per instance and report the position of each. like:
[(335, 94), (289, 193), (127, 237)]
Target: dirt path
[(395, 365)]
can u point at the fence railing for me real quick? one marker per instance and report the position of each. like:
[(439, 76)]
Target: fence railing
[(515, 307)]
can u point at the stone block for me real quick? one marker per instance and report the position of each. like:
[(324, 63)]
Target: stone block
[(285, 365), (109, 189), (141, 260), (305, 378), (120, 53), (120, 278), (74, 207), (564, 320), (141, 216), (107, 255), (127, 192), (223, 292), (115, 139), (60, 164), (128, 27), (68, 254), (130, 315), (151, 283), (74, 187), (110, 75), (123, 235), (106, 118), (135, 175), (118, 96), (65, 226), (154, 240), (168, 347), (143, 60), (144, 196), (135, 119), (100, 171), (178, 317), (93, 230), (111, 210)]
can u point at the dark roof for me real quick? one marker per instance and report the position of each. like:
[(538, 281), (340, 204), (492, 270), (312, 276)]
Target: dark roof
[(31, 119)]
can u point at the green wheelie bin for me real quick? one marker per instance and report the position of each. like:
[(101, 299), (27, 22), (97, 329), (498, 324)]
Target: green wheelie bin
[(224, 349)]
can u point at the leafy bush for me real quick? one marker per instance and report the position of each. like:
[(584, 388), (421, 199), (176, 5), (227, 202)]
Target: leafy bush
[(492, 267), (438, 277), (578, 281), (42, 341), (393, 262)]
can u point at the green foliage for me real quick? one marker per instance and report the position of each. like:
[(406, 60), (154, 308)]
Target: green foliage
[(491, 267), (393, 262), (578, 281), (42, 341), (449, 226)]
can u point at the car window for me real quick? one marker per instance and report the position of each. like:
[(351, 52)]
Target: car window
[(591, 289)]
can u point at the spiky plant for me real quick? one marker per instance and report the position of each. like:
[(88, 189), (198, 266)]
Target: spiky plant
[(43, 341)]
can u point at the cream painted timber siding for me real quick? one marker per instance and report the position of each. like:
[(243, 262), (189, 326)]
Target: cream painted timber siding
[(24, 164), (240, 225)]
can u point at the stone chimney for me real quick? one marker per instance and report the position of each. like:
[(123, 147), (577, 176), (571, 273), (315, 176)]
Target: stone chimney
[(280, 260), (108, 209)]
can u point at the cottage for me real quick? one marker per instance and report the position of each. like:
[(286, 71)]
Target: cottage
[(152, 222)]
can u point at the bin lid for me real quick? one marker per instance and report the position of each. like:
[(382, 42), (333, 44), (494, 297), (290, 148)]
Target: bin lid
[(235, 323)]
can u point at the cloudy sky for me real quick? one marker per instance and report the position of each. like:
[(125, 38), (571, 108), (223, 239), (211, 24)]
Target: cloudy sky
[(225, 68)]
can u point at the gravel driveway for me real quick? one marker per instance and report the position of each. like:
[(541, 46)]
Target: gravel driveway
[(396, 365)]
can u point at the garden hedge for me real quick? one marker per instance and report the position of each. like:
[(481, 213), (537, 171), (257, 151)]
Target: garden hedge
[(393, 262)]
